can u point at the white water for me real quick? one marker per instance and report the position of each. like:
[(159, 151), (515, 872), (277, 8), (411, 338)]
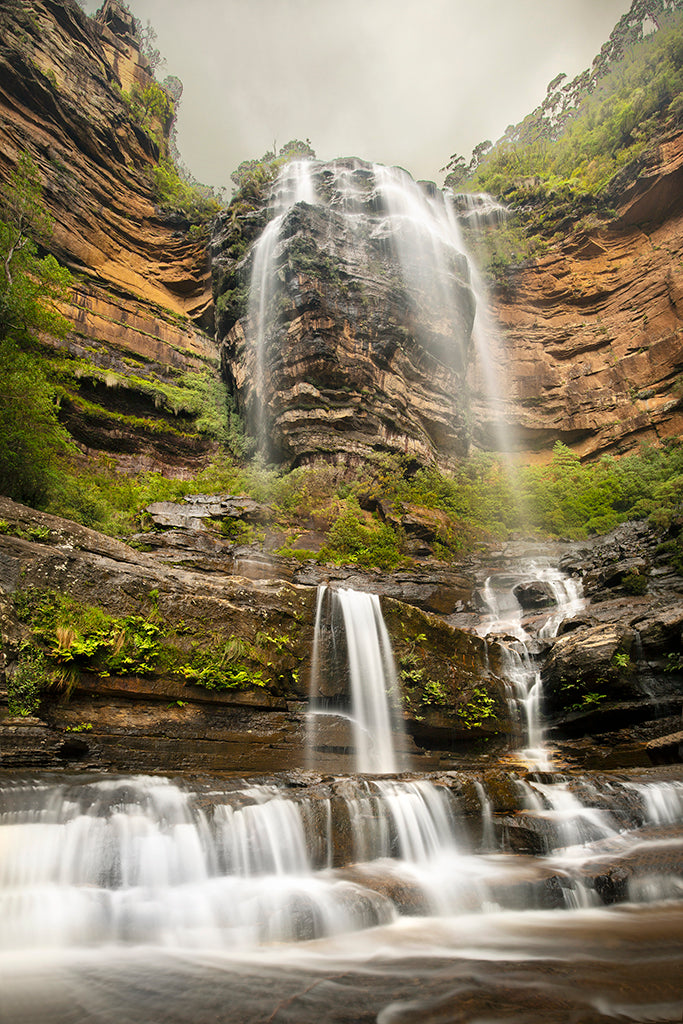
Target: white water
[(418, 225), (520, 667), (142, 861), (357, 643), (294, 185)]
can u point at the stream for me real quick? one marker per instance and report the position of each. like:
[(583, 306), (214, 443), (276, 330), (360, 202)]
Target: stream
[(509, 894)]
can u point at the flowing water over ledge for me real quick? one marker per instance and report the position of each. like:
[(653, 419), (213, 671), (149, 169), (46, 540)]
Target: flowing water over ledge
[(526, 895), (300, 898)]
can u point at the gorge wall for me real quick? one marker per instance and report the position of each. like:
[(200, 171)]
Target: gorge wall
[(355, 346), (141, 302), (593, 331), (358, 353)]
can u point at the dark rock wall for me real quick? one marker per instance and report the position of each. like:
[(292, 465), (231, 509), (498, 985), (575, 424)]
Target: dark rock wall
[(360, 353)]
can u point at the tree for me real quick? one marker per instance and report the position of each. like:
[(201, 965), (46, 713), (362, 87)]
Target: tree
[(148, 48), (30, 286), (261, 171)]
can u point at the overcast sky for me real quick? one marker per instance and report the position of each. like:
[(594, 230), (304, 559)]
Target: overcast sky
[(405, 82)]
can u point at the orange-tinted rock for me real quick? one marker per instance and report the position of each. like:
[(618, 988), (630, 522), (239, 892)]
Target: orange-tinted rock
[(143, 286), (593, 331)]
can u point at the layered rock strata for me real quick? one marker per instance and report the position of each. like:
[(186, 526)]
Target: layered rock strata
[(358, 330), (141, 302), (592, 332), (175, 708)]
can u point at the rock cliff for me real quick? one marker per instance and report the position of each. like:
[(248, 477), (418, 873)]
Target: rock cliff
[(363, 330), (142, 299), (357, 332), (591, 333)]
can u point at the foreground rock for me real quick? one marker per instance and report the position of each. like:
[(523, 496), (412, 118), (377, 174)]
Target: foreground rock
[(159, 666)]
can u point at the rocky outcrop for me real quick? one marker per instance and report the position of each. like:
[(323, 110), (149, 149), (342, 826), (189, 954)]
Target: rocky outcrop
[(142, 301), (157, 665), (358, 330), (614, 674), (591, 332)]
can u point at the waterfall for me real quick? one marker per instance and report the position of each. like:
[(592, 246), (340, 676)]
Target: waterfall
[(398, 229), (113, 862), (519, 665), (294, 184), (354, 678)]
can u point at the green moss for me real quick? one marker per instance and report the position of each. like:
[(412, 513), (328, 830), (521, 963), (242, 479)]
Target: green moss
[(75, 637), (634, 582)]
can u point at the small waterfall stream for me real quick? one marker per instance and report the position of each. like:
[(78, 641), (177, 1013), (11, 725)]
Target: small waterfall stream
[(294, 185), (356, 679), (521, 669)]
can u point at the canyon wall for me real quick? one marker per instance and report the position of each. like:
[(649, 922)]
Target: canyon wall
[(350, 344), (141, 303), (592, 332)]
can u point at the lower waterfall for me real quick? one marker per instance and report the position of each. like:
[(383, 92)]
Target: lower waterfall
[(496, 895), (353, 679)]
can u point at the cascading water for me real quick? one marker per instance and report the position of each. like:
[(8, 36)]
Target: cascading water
[(520, 667), (221, 881), (354, 678), (294, 185), (377, 224)]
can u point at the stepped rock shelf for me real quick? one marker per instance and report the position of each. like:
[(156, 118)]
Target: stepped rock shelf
[(503, 889)]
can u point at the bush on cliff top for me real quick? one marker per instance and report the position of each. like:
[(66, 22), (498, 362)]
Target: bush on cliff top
[(550, 167)]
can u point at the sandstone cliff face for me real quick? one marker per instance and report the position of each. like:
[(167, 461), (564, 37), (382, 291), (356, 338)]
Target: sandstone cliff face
[(142, 288), (358, 331), (354, 346), (592, 333)]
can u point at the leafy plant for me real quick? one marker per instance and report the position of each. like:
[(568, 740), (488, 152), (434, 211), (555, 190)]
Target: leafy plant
[(480, 707), (634, 582), (31, 436), (552, 165), (622, 660)]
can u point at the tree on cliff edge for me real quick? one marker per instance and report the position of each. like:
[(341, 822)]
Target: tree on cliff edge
[(30, 286)]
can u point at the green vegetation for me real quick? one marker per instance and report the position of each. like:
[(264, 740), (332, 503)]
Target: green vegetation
[(255, 173), (104, 499), (30, 287), (25, 685), (358, 513), (75, 638), (197, 203), (556, 167), (245, 218), (634, 582), (477, 709), (353, 539), (152, 109), (583, 698)]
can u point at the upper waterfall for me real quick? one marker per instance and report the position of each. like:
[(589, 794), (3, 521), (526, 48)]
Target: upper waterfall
[(359, 331)]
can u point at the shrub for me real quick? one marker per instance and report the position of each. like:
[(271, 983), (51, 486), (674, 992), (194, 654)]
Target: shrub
[(25, 685)]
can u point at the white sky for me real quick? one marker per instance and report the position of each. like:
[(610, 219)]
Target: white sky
[(405, 82)]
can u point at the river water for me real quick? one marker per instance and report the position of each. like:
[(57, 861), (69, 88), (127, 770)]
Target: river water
[(518, 895)]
